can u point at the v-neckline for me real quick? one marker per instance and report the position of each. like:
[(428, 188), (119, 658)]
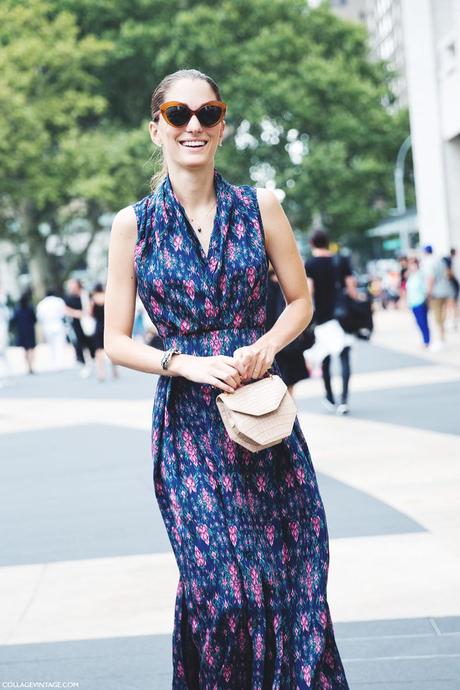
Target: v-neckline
[(213, 239), (205, 256)]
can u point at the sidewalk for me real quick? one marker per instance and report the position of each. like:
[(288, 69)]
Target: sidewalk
[(87, 576)]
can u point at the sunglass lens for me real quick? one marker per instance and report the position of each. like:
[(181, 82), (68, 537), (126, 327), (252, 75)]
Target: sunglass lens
[(210, 115), (178, 115)]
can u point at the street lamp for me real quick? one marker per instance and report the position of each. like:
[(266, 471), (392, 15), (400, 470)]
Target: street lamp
[(399, 188)]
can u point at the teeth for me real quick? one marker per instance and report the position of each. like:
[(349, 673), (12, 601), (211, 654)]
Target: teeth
[(193, 145)]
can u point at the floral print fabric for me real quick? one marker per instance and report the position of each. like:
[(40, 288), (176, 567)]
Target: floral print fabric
[(248, 530)]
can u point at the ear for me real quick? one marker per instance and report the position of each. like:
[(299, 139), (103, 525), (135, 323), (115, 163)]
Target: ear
[(154, 133), (222, 130)]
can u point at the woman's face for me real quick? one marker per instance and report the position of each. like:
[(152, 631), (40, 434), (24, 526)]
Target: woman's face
[(193, 92)]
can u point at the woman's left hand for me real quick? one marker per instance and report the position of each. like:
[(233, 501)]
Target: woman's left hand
[(252, 361)]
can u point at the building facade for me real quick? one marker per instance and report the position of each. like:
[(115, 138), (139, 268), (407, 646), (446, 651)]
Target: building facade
[(432, 49)]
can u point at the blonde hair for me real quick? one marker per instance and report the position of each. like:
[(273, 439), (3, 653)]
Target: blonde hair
[(158, 97)]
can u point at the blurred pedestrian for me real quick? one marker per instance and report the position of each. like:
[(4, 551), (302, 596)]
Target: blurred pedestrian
[(96, 310), (452, 305), (5, 313), (82, 342), (51, 311), (290, 359), (403, 275), (23, 322), (439, 290), (417, 298), (328, 275)]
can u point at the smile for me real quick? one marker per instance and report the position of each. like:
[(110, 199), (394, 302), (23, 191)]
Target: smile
[(193, 144)]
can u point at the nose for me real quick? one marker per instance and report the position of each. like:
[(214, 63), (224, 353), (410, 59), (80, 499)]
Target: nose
[(194, 124)]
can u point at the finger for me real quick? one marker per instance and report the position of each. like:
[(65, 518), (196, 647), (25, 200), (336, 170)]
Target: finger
[(217, 383)]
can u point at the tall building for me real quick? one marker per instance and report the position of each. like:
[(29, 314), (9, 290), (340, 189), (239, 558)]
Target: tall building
[(432, 48), (383, 20), (386, 39), (354, 10)]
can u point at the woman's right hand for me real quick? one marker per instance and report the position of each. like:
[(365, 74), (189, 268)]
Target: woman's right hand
[(218, 370)]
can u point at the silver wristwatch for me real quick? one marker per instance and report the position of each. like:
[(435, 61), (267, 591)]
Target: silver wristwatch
[(167, 356)]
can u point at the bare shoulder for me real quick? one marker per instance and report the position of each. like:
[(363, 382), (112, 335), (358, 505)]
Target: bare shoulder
[(268, 202), (124, 225), (274, 219)]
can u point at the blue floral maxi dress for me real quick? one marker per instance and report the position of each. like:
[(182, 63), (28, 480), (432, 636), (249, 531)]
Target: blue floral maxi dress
[(248, 530)]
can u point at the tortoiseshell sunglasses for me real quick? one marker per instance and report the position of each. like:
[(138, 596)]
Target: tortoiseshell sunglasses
[(179, 114)]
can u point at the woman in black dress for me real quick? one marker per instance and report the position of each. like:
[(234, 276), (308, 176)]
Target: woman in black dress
[(290, 359), (23, 321), (97, 299)]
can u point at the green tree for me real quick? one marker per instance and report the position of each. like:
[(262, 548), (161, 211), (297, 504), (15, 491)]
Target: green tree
[(305, 112)]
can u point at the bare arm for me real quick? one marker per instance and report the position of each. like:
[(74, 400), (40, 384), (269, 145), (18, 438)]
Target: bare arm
[(284, 255), (281, 247), (351, 287), (120, 301)]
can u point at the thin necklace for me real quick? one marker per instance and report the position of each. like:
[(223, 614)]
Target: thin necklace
[(205, 215)]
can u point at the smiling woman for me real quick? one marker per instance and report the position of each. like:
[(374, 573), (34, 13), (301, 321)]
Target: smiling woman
[(248, 530)]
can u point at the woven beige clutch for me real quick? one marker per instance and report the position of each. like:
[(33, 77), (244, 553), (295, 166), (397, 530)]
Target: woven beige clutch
[(259, 414)]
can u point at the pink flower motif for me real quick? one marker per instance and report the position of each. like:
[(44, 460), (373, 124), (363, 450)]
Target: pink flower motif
[(323, 619), (155, 306), (223, 284), (177, 242), (294, 527), (190, 288), (261, 316), (213, 263), (304, 621), (306, 672), (235, 582), (259, 646), (207, 394), (284, 554), (256, 586), (227, 673), (260, 482), (233, 532), (158, 284), (239, 498), (190, 484), (270, 532), (227, 482), (329, 659), (232, 623), (199, 557), (207, 499), (251, 275), (316, 524), (210, 464), (325, 684), (203, 532), (184, 326), (300, 474), (180, 670), (240, 229), (289, 479), (237, 319), (209, 308)]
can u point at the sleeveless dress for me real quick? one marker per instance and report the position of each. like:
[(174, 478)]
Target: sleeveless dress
[(248, 530)]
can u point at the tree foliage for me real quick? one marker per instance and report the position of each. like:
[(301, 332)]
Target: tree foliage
[(305, 104)]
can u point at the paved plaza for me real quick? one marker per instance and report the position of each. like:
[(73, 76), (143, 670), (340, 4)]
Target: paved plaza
[(87, 575)]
